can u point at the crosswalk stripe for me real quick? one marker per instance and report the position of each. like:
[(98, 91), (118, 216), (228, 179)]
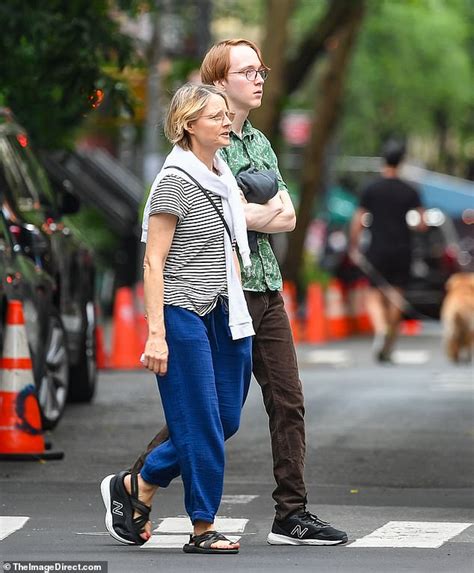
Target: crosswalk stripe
[(411, 356), (344, 358), (183, 525), (9, 524), (173, 541), (332, 357), (237, 499), (173, 532), (422, 534)]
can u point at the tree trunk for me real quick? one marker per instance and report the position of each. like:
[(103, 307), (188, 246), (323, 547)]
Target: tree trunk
[(326, 114), (338, 14), (287, 75), (278, 13)]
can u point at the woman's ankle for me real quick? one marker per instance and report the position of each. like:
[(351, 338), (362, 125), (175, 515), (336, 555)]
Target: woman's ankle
[(145, 488), (201, 527)]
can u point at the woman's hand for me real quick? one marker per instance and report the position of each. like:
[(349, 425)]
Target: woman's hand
[(155, 356)]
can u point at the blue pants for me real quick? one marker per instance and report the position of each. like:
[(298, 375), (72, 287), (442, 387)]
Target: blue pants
[(202, 394)]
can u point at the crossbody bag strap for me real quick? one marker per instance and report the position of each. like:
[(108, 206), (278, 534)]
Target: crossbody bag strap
[(206, 193)]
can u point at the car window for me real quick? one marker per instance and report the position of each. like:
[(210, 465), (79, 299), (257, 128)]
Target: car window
[(33, 173), (20, 197), (26, 198), (5, 239)]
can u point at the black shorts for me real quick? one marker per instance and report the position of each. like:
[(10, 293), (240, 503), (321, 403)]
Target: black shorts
[(389, 267)]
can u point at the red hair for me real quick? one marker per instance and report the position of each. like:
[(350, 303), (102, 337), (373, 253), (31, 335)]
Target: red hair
[(216, 63)]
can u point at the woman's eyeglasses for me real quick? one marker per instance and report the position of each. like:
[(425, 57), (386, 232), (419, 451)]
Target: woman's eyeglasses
[(251, 74), (219, 117)]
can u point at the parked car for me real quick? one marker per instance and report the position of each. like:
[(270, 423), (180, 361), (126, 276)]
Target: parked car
[(34, 216), (21, 279), (435, 258)]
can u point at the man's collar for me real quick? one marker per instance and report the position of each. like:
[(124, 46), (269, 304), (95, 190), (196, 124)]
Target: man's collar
[(247, 130)]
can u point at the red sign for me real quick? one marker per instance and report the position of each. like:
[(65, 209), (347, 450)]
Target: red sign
[(296, 127)]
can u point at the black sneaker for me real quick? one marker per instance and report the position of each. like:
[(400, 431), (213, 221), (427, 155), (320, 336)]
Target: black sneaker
[(304, 528), (120, 506)]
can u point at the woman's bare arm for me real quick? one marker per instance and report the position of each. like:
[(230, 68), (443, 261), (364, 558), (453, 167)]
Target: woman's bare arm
[(161, 228)]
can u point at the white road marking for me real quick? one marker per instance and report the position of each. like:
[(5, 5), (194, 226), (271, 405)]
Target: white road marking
[(10, 524), (453, 381), (92, 533), (459, 377), (424, 534), (453, 387), (333, 357), (173, 541), (411, 356), (183, 525), (238, 498)]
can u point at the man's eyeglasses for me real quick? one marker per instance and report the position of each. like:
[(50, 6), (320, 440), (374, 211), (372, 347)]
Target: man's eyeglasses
[(251, 74), (219, 117)]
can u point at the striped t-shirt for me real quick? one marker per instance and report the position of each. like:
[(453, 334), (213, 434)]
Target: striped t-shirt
[(195, 271)]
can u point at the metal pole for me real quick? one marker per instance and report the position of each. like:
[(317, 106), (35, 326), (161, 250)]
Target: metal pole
[(152, 155)]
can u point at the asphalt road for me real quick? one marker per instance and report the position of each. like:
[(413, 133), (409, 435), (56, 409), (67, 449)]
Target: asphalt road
[(390, 460)]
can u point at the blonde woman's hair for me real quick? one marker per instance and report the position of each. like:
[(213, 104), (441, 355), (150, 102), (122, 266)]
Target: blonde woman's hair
[(186, 107)]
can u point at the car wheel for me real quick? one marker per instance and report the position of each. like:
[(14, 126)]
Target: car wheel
[(83, 375), (53, 378)]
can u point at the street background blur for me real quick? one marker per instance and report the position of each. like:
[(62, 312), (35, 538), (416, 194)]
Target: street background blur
[(83, 92), (84, 86), (90, 83)]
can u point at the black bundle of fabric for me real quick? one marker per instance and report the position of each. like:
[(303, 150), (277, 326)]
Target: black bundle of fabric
[(258, 186)]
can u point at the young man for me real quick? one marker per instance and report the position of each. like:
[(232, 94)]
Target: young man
[(386, 201), (237, 67)]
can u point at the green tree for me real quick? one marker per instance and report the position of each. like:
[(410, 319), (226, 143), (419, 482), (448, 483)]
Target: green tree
[(53, 55), (332, 35), (411, 75)]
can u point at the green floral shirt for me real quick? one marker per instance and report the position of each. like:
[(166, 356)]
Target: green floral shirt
[(254, 150)]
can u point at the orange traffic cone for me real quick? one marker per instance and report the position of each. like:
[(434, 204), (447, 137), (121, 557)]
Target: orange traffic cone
[(338, 323), (410, 327), (316, 327), (21, 435), (125, 345), (289, 298), (361, 322)]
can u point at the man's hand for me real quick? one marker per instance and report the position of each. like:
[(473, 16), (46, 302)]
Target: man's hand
[(276, 216), (257, 216)]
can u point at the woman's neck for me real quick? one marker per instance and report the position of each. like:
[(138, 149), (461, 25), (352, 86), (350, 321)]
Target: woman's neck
[(204, 155)]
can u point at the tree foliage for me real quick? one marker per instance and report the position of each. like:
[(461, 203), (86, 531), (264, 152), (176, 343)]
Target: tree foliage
[(411, 74), (52, 62)]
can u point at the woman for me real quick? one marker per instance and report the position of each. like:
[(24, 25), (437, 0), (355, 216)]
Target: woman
[(199, 329)]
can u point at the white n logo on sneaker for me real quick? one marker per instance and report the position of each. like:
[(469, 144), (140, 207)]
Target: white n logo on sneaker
[(118, 508), (298, 531)]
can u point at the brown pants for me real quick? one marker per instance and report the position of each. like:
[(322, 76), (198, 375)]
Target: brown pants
[(276, 370)]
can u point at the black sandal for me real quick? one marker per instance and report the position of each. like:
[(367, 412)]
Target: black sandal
[(120, 507), (202, 543)]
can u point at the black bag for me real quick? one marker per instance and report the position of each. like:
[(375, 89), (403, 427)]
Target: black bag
[(258, 186)]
